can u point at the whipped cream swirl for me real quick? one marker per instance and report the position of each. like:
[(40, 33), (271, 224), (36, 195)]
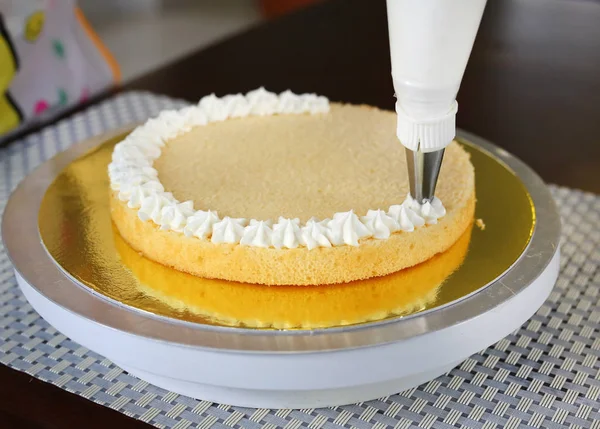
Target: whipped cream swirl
[(314, 234), (229, 230), (135, 181), (200, 224)]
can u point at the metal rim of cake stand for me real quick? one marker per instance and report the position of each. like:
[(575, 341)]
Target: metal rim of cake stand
[(32, 262)]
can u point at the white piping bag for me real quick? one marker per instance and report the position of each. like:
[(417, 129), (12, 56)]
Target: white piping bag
[(430, 44)]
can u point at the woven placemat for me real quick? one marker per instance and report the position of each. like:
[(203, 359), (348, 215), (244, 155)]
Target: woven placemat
[(547, 374)]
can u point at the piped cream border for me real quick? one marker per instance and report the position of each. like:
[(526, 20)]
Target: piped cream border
[(136, 182)]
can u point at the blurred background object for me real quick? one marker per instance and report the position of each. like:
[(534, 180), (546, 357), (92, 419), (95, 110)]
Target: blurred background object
[(275, 8), (146, 34), (50, 60), (58, 53)]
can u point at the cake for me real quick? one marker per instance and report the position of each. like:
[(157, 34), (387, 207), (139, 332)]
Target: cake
[(282, 189)]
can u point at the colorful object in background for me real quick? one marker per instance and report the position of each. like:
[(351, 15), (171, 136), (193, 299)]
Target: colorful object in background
[(34, 25), (40, 107), (9, 113), (50, 59), (275, 8), (58, 48)]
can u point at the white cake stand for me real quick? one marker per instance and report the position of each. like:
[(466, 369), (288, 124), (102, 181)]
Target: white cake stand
[(282, 369)]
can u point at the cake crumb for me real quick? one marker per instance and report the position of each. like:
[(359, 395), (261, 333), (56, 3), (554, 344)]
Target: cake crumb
[(480, 224)]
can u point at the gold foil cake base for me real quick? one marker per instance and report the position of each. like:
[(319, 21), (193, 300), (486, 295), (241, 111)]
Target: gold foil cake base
[(281, 307), (76, 229)]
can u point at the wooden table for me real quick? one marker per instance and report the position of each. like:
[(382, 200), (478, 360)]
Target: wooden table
[(532, 86)]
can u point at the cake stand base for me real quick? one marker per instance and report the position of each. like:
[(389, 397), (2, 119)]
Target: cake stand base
[(304, 379), (286, 398)]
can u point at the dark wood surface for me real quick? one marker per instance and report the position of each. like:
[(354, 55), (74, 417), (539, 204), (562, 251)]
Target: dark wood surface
[(532, 86)]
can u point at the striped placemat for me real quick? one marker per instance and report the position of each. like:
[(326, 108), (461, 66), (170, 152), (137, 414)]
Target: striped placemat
[(547, 374)]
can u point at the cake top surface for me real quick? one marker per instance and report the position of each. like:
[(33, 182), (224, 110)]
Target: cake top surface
[(281, 170), (295, 166)]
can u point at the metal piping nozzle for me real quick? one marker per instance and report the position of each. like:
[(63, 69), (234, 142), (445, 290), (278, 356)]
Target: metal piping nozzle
[(423, 172)]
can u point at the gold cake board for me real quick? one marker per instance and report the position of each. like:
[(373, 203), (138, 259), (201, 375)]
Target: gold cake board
[(75, 227)]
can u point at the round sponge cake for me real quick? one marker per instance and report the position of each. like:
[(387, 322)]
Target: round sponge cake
[(298, 166)]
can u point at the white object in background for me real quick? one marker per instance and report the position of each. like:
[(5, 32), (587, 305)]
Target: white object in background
[(430, 44)]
